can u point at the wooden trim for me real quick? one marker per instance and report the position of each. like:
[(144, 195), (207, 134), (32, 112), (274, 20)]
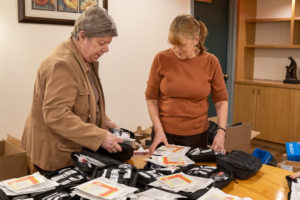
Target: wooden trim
[(273, 46), (296, 40), (205, 1), (269, 20), (297, 9), (292, 23), (245, 35), (39, 20), (270, 83)]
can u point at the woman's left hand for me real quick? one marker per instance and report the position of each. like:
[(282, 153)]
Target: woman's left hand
[(218, 144), (110, 124)]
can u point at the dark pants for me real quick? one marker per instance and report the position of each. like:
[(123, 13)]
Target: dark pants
[(193, 141)]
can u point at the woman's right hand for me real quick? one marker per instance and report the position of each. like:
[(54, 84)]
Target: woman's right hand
[(296, 175), (160, 136)]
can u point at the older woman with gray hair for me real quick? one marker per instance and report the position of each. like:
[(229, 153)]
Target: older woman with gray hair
[(68, 109)]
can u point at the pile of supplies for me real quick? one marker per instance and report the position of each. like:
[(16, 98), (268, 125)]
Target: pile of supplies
[(170, 173)]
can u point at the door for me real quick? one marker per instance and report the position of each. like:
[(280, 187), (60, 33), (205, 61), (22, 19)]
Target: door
[(277, 114), (215, 17), (245, 104)]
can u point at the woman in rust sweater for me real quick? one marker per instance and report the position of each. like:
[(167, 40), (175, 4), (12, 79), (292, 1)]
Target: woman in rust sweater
[(180, 81)]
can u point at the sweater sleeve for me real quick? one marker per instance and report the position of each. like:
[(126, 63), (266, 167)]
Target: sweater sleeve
[(218, 87), (153, 84)]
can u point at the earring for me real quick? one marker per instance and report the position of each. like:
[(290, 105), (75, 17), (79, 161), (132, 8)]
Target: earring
[(196, 47)]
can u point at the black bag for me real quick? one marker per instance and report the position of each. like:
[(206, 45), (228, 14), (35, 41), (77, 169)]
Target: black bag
[(160, 169), (124, 155), (289, 181), (127, 173), (241, 164), (146, 177), (67, 177), (88, 168), (221, 178), (207, 156), (127, 150)]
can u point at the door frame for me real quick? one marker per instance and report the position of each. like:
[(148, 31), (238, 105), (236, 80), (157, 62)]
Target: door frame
[(232, 19)]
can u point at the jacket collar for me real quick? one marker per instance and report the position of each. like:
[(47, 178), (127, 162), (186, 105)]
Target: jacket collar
[(71, 45)]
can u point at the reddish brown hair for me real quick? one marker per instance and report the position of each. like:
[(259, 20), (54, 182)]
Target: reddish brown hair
[(187, 25)]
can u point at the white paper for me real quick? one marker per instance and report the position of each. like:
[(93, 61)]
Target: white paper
[(165, 151), (155, 194), (295, 194), (23, 184), (216, 191), (123, 192), (287, 167), (42, 187), (197, 184)]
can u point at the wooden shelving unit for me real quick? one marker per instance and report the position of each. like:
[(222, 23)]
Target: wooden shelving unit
[(246, 29), (272, 106), (273, 46), (268, 20)]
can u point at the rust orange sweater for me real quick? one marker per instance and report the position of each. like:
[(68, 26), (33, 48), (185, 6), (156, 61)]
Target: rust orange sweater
[(182, 88)]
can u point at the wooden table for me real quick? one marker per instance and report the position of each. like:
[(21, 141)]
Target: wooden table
[(268, 184)]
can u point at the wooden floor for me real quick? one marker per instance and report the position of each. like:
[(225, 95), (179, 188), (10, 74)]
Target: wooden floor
[(274, 148)]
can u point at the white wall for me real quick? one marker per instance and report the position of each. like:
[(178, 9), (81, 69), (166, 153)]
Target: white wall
[(143, 28), (270, 63)]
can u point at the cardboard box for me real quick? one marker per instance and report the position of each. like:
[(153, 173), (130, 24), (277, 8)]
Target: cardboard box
[(15, 141), (238, 137), (13, 161), (289, 165), (284, 156)]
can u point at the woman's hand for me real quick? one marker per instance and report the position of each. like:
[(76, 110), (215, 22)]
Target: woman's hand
[(110, 124), (111, 143), (218, 143), (296, 175), (160, 136)]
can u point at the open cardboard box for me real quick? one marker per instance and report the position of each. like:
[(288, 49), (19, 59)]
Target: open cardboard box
[(15, 141), (238, 137), (13, 161), (289, 165)]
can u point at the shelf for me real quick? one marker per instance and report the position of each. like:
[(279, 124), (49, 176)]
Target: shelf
[(270, 83), (273, 46), (296, 18), (269, 20)]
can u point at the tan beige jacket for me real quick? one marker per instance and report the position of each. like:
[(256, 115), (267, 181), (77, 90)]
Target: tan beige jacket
[(63, 113)]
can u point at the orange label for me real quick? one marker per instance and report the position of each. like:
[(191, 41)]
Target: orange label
[(167, 162), (110, 191)]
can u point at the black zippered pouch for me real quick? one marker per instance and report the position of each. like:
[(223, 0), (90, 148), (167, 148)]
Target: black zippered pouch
[(207, 155), (160, 169), (126, 174), (221, 178), (67, 177), (88, 167), (241, 164), (146, 177), (124, 155)]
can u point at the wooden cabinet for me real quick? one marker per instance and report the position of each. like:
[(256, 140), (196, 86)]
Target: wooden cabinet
[(245, 104), (273, 111)]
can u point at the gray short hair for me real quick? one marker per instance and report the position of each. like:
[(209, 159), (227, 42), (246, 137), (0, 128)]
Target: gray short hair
[(95, 22)]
